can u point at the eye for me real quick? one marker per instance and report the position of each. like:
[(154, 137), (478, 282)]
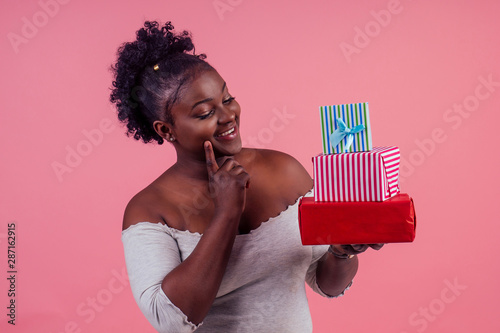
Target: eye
[(206, 115), (229, 100)]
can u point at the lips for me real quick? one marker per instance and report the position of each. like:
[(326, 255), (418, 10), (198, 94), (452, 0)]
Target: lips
[(227, 132), (228, 135)]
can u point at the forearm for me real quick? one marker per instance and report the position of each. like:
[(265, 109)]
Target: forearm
[(333, 275), (193, 285)]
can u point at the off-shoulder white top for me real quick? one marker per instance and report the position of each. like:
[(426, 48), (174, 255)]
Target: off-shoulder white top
[(262, 289)]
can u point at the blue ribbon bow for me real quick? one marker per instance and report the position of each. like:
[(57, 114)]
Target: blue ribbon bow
[(342, 131)]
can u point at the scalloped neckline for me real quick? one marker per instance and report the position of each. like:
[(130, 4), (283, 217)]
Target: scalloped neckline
[(252, 232)]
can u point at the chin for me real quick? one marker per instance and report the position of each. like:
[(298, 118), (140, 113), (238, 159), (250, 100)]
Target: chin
[(228, 149)]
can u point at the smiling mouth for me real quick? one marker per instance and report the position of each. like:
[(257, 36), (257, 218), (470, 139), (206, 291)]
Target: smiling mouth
[(226, 132)]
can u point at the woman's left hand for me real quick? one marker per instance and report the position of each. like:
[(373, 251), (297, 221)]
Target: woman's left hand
[(354, 248)]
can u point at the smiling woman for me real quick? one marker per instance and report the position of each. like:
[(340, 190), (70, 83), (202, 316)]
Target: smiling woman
[(213, 243), (207, 111)]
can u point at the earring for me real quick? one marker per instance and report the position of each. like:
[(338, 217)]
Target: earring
[(171, 139)]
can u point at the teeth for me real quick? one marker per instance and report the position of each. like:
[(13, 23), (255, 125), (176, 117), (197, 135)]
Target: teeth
[(227, 132)]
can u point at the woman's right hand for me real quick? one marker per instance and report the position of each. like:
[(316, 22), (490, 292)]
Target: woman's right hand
[(227, 184)]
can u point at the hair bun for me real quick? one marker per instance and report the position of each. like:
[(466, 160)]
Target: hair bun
[(142, 71), (158, 43)]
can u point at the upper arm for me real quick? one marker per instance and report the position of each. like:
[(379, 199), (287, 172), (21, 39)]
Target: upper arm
[(151, 252)]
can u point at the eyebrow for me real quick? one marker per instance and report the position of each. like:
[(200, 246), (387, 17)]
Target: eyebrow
[(207, 99)]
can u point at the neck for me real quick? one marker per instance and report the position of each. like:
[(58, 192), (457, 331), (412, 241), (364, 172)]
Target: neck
[(193, 167)]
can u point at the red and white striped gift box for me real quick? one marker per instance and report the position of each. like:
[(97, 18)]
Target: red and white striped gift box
[(361, 176)]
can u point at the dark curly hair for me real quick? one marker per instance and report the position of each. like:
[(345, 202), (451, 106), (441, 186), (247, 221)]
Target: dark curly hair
[(149, 74)]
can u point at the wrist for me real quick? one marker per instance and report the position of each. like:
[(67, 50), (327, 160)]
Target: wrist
[(339, 254), (225, 220)]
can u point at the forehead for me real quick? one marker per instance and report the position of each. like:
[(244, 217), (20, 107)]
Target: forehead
[(206, 84)]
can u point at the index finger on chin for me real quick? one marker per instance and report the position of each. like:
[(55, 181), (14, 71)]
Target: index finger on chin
[(212, 166)]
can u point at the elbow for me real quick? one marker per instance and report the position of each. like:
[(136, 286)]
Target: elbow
[(163, 315), (334, 276)]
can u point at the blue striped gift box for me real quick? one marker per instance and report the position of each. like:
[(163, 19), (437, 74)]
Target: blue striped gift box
[(352, 115)]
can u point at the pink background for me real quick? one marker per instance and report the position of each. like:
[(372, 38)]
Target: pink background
[(412, 67)]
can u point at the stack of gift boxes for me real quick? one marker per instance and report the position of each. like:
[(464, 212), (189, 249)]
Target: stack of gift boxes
[(356, 186)]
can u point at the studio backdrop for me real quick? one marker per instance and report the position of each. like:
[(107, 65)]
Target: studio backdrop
[(428, 69)]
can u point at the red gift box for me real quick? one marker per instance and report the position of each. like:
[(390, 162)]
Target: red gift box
[(390, 221)]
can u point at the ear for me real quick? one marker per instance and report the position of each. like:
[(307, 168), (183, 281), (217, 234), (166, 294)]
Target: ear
[(164, 129)]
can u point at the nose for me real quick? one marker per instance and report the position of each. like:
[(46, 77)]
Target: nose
[(226, 115)]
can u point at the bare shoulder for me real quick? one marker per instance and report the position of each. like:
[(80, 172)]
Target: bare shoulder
[(282, 163), (141, 208), (283, 170), (165, 200)]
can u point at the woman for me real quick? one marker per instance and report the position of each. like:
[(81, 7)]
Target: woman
[(213, 243)]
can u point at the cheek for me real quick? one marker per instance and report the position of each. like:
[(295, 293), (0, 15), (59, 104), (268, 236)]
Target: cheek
[(201, 129), (192, 130)]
